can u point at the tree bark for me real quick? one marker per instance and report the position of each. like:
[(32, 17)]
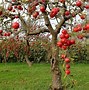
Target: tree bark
[(26, 56), (28, 62), (56, 72)]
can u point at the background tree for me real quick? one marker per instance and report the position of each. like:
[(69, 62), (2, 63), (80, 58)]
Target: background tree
[(34, 17)]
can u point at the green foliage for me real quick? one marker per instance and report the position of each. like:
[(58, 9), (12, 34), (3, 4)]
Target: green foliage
[(37, 52), (79, 53)]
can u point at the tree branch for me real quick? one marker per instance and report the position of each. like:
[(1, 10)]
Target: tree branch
[(38, 31), (47, 23)]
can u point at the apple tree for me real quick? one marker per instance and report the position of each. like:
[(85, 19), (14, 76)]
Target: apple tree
[(59, 18)]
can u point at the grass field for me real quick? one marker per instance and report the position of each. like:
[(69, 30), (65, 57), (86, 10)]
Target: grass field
[(18, 76)]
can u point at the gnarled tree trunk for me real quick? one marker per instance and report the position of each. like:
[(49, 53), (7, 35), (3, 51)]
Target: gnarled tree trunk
[(56, 72)]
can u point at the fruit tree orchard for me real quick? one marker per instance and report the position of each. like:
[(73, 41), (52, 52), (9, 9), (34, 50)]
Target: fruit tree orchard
[(24, 15)]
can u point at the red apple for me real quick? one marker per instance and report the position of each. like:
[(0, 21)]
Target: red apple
[(42, 9), (78, 3), (67, 36), (87, 6), (87, 26), (75, 29), (15, 25), (72, 41), (82, 16), (54, 12), (63, 40), (5, 34), (15, 6), (67, 60), (64, 31), (35, 14), (64, 47), (63, 56), (59, 44), (67, 71), (67, 13), (19, 7), (62, 36), (67, 66)]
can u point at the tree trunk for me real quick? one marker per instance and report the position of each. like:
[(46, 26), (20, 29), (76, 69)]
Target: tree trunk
[(56, 72), (26, 56), (28, 62)]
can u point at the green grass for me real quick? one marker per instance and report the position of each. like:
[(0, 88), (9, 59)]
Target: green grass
[(18, 76)]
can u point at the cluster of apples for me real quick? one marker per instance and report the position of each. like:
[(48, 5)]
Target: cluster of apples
[(4, 33), (79, 28), (64, 41), (67, 63), (15, 25)]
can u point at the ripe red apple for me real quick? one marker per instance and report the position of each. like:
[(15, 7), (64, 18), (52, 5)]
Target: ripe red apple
[(67, 36), (62, 36), (63, 40), (68, 43), (78, 3), (87, 26), (67, 60), (67, 13), (42, 9), (87, 6), (75, 29), (59, 44), (72, 41), (84, 28), (67, 66), (9, 33), (64, 47), (35, 14), (67, 72), (19, 7), (82, 16), (64, 31), (15, 25), (54, 12), (79, 28), (63, 56), (15, 6), (5, 34)]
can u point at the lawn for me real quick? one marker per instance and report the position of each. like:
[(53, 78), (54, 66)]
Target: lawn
[(18, 76)]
